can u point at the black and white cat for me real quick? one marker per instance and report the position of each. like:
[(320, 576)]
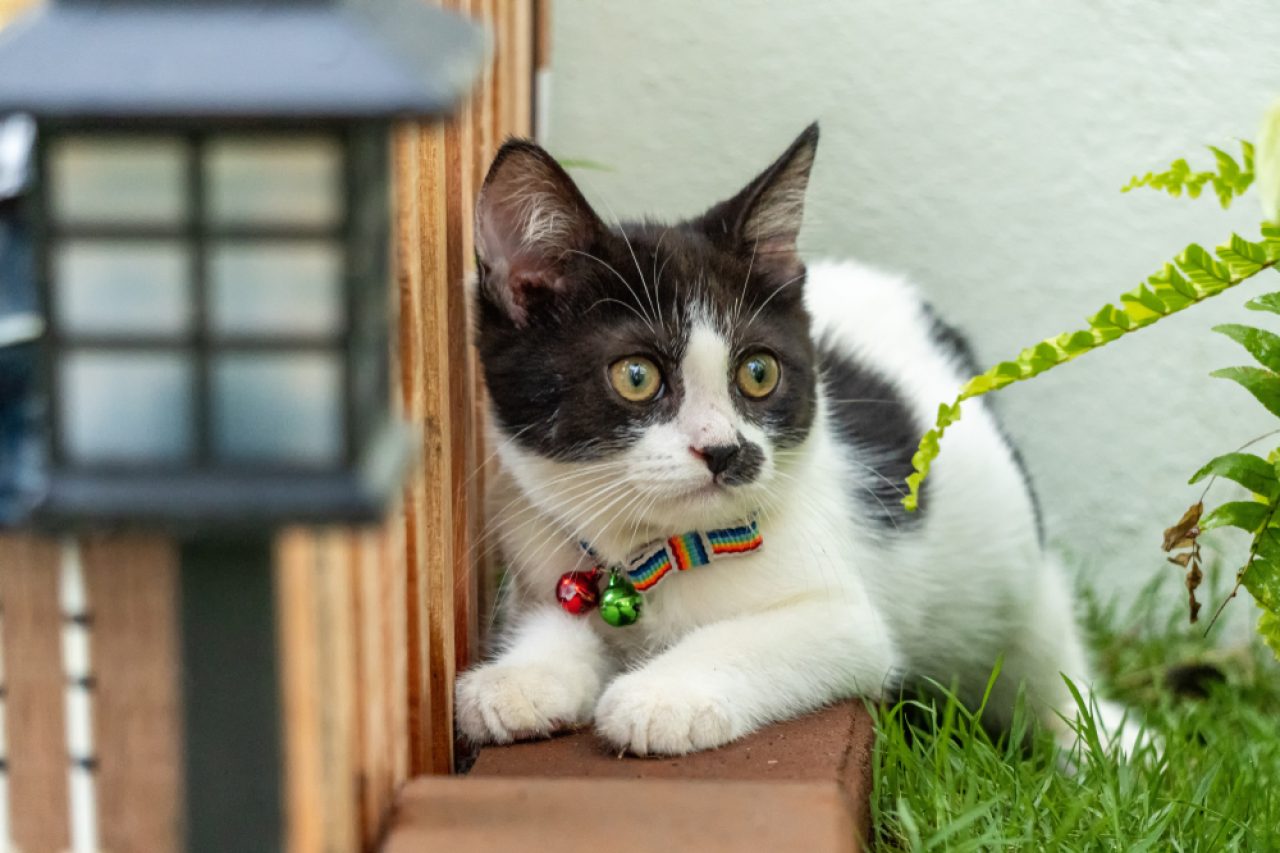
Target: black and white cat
[(649, 382)]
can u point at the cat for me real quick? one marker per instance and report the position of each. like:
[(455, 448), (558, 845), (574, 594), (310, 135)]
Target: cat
[(652, 381)]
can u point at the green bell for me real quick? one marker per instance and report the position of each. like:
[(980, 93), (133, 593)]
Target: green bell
[(620, 603)]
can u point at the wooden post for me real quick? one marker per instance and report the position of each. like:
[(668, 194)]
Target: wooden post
[(459, 142), (317, 657), (425, 315), (132, 586), (382, 751), (35, 730)]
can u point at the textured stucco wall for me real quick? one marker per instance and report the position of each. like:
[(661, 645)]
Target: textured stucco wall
[(979, 145)]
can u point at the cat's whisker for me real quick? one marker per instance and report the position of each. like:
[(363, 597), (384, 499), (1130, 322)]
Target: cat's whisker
[(853, 401), (742, 294), (578, 482), (771, 296), (897, 486), (657, 282), (626, 511), (661, 270), (563, 517), (505, 444), (536, 515), (643, 315), (582, 481), (889, 514), (607, 299), (623, 233), (501, 516)]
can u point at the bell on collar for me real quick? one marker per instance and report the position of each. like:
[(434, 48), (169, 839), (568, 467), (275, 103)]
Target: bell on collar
[(578, 592), (620, 603)]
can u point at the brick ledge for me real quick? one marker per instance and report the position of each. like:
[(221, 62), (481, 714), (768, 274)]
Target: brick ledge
[(799, 785)]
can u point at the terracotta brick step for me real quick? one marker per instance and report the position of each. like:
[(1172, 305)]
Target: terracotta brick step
[(801, 785)]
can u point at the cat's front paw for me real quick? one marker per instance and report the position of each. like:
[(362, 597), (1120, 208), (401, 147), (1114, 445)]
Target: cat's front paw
[(645, 715), (501, 703)]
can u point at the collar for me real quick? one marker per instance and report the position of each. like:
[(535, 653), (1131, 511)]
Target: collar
[(652, 562)]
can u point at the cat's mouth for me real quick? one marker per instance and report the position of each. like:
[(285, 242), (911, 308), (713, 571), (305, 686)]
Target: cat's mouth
[(709, 489)]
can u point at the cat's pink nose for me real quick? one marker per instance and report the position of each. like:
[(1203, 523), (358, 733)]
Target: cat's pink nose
[(718, 457)]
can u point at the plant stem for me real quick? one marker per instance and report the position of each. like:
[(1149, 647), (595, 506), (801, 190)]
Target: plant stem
[(1253, 553)]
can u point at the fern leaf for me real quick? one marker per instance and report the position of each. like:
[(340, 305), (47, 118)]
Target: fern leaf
[(1261, 344), (1265, 302), (1263, 384), (1268, 164), (1195, 276), (1230, 179)]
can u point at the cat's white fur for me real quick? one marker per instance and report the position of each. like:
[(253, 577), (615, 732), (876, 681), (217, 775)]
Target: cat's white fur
[(829, 608)]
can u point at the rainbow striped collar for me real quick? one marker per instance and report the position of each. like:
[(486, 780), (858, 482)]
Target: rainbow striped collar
[(652, 562)]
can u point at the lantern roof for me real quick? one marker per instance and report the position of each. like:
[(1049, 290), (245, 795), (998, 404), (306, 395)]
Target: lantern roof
[(210, 59)]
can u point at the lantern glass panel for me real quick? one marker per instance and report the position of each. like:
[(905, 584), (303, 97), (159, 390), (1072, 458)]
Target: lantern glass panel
[(123, 287), (133, 407), (119, 180), (278, 288), (274, 181), (278, 408)]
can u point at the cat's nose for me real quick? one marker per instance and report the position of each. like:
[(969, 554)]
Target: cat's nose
[(718, 457)]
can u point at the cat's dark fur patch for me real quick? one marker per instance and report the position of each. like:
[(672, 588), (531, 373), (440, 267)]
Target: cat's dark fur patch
[(560, 302), (952, 341), (869, 413), (746, 464)]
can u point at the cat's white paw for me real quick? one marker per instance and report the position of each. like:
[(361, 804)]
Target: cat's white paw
[(649, 716), (501, 703)]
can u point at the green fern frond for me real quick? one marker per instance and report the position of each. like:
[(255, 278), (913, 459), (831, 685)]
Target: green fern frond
[(1195, 275), (1231, 179)]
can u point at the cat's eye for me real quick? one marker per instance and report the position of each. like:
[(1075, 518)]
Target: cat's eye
[(758, 375), (635, 378)]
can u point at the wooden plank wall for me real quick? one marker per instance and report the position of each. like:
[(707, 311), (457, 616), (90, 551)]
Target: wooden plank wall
[(131, 588), (413, 589), (374, 623)]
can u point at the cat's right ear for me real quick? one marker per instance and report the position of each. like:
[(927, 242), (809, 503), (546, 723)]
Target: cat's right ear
[(530, 220), (763, 220)]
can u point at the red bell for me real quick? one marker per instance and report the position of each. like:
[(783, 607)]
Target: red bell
[(579, 592)]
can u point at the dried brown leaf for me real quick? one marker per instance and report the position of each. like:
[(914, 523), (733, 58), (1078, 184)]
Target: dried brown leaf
[(1181, 559), (1194, 577), (1181, 534)]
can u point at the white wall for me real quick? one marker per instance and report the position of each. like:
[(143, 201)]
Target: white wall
[(979, 145)]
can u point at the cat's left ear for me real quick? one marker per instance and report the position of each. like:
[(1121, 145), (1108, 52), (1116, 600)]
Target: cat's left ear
[(763, 220), (531, 219)]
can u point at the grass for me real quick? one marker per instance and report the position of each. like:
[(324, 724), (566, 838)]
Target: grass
[(942, 783)]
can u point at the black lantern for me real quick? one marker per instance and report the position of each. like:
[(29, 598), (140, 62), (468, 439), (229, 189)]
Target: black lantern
[(206, 234)]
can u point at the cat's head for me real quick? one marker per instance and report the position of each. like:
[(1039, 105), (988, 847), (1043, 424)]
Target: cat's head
[(644, 378)]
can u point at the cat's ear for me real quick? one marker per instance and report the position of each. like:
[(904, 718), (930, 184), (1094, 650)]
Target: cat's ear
[(763, 220), (530, 219)]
